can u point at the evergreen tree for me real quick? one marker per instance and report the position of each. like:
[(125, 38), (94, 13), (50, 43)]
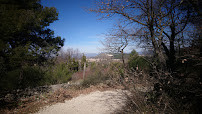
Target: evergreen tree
[(83, 60), (25, 39)]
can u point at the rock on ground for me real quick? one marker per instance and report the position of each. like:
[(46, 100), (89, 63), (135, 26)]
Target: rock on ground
[(94, 103)]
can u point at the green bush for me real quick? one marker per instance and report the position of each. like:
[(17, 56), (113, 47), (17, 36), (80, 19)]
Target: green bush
[(27, 76), (33, 76), (136, 60), (140, 62), (59, 73), (10, 80)]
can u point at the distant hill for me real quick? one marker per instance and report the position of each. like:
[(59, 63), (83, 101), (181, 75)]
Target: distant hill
[(126, 55), (90, 55), (118, 55), (115, 55)]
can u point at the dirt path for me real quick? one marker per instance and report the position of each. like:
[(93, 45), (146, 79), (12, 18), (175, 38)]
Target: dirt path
[(97, 102)]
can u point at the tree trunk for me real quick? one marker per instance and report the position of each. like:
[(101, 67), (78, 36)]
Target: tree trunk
[(122, 56), (171, 58)]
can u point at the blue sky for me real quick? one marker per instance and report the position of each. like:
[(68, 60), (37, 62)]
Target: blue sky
[(81, 29)]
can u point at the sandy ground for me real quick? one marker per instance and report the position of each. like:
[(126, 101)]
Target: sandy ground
[(94, 103)]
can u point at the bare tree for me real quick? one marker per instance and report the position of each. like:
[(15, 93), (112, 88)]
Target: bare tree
[(67, 55), (139, 12), (116, 41), (158, 22)]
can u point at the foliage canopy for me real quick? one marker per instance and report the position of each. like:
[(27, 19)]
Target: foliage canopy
[(25, 39)]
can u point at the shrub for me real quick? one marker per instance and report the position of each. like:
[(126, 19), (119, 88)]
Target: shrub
[(32, 76), (140, 62), (59, 73), (97, 76), (136, 60), (27, 76)]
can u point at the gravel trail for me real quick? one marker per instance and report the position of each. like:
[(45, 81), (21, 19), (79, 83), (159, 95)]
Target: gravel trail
[(97, 102)]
